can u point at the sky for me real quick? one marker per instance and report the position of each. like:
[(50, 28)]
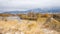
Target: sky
[(8, 5)]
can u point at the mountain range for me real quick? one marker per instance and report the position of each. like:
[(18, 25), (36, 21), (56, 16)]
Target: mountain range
[(36, 10)]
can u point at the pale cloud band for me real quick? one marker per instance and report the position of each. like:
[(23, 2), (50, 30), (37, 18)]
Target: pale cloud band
[(28, 4)]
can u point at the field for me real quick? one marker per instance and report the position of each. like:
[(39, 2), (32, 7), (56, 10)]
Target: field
[(42, 24)]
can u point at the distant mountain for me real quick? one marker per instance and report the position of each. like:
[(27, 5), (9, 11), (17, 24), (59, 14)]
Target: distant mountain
[(38, 10), (23, 12), (16, 12), (54, 10), (46, 10)]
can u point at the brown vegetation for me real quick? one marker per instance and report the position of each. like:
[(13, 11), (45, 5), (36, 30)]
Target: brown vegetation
[(31, 23)]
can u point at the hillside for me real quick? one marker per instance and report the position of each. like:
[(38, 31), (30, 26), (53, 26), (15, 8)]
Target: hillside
[(30, 23)]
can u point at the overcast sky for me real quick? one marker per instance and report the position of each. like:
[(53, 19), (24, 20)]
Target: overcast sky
[(27, 4)]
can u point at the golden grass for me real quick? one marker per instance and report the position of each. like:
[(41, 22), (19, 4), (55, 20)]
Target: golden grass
[(22, 26)]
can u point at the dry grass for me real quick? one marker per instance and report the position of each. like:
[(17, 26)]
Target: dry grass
[(23, 27)]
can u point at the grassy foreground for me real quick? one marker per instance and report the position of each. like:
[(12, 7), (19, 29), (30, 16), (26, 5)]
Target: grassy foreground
[(24, 27), (30, 24)]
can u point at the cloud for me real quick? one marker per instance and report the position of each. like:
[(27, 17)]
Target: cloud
[(27, 4)]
